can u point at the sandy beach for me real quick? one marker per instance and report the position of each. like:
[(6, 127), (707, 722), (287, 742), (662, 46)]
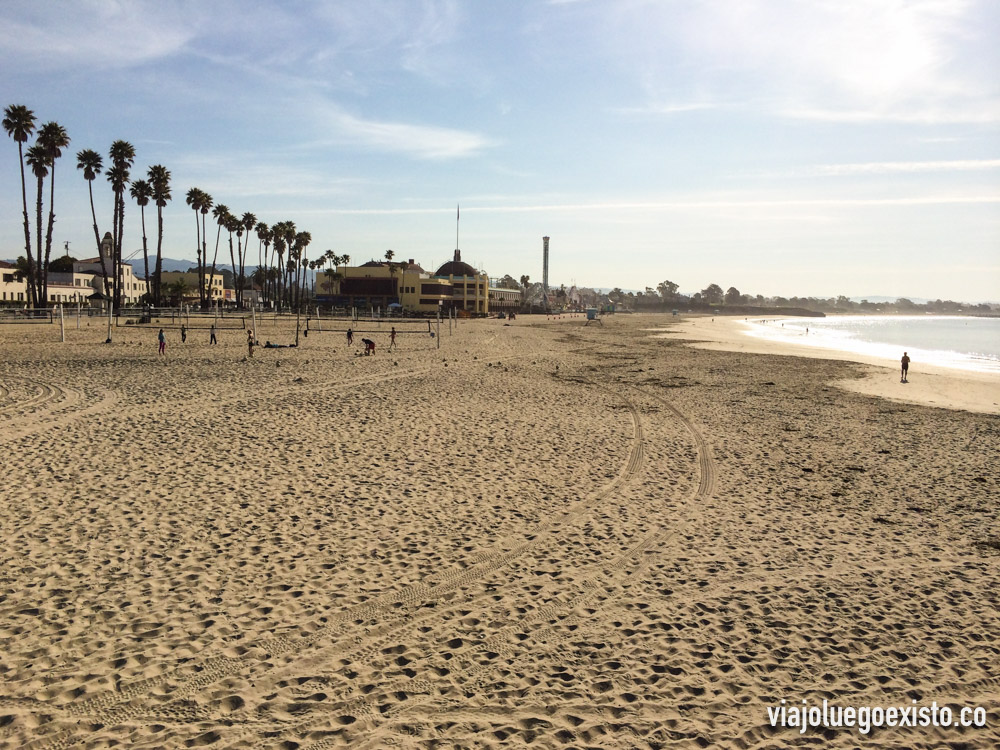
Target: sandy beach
[(931, 385), (540, 534)]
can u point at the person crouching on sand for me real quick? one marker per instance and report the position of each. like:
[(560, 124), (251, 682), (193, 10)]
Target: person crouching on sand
[(904, 367), (369, 346), (163, 342)]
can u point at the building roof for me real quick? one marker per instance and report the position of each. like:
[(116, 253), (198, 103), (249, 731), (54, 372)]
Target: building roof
[(456, 268), (5, 264)]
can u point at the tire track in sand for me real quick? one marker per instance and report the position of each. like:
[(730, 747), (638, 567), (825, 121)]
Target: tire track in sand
[(124, 705), (504, 648)]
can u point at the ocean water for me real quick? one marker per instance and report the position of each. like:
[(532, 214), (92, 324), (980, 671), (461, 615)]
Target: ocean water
[(963, 342)]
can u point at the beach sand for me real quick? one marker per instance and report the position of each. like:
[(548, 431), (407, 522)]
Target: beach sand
[(541, 534), (930, 385)]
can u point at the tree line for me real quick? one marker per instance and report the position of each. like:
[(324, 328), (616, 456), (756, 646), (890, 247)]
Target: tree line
[(282, 244), (666, 295)]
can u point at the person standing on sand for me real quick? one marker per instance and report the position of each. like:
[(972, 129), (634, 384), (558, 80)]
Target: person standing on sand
[(350, 337), (250, 344), (392, 338), (212, 340), (184, 334), (163, 342), (904, 367)]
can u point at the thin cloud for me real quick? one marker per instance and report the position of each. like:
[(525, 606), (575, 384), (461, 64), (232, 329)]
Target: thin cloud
[(419, 141), (653, 108), (90, 33), (895, 167), (681, 205), (967, 114)]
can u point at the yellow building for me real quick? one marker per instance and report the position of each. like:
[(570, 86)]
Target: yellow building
[(13, 287), (470, 288), (380, 284), (213, 284)]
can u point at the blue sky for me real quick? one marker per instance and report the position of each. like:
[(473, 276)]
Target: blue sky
[(812, 147)]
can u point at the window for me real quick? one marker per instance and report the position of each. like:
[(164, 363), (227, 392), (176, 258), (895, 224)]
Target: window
[(435, 289)]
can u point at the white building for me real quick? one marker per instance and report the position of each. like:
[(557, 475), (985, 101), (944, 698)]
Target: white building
[(84, 285)]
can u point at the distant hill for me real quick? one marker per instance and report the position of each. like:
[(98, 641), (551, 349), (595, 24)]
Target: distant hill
[(168, 264)]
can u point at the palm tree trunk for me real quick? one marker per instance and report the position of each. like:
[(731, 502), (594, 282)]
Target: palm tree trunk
[(114, 255), (214, 258), (145, 252), (119, 275), (197, 247), (159, 257), (232, 261), (39, 300), (97, 236), (204, 253), (27, 228), (48, 234)]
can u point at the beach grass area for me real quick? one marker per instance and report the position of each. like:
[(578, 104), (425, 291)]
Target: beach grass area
[(539, 533)]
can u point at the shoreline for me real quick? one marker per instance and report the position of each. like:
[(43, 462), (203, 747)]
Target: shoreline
[(929, 385)]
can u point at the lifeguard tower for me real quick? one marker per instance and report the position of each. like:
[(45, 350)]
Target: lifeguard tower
[(593, 315)]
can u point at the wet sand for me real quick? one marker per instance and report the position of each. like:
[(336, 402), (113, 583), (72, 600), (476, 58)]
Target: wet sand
[(930, 385), (539, 534)]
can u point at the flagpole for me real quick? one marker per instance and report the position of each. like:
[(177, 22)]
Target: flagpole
[(458, 215)]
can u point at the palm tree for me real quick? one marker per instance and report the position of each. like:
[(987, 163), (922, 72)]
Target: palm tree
[(122, 154), (393, 268), (159, 181), (53, 138), (278, 237), (194, 199), (233, 225), (177, 289), (90, 162), (118, 176), (38, 160), (221, 215), (206, 206), (19, 123), (248, 221), (141, 192), (264, 240), (302, 240)]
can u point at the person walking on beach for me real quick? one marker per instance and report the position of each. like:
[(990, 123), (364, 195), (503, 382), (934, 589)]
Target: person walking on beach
[(212, 340), (184, 334), (250, 344), (350, 337), (163, 342), (904, 368), (392, 338)]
